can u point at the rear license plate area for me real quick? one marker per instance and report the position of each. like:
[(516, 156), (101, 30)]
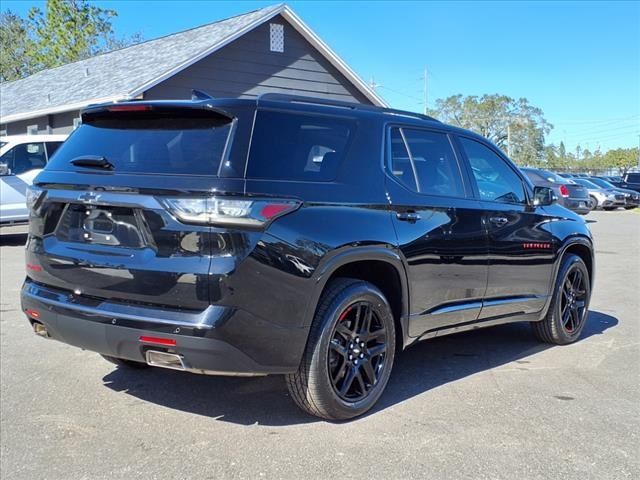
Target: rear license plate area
[(99, 225)]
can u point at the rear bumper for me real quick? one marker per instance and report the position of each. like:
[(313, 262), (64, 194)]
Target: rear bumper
[(219, 340), (580, 206)]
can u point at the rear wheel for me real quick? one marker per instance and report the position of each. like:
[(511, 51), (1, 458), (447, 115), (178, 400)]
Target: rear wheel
[(349, 354), (121, 362), (593, 202), (569, 307)]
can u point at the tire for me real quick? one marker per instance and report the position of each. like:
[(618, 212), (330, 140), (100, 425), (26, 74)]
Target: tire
[(593, 203), (630, 207), (121, 362), (608, 209), (321, 385), (557, 327)]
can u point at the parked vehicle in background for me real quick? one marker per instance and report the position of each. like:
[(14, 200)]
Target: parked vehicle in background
[(292, 235), (631, 181), (616, 181), (631, 197), (570, 195), (22, 157), (607, 199)]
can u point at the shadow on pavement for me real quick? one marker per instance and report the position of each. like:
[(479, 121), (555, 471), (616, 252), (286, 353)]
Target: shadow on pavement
[(13, 239), (265, 400)]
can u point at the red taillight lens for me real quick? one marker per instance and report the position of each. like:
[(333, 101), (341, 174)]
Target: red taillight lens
[(32, 313), (35, 268), (129, 108), (167, 342), (229, 211), (564, 191)]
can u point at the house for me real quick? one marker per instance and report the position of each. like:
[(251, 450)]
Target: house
[(267, 50)]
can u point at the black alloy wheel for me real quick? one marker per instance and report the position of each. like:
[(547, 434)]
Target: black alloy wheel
[(573, 304), (569, 308), (357, 352), (349, 354)]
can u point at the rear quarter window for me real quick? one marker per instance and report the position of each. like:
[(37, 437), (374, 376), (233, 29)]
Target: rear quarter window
[(633, 177), (298, 147)]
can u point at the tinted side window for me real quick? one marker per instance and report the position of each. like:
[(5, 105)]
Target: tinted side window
[(52, 147), (25, 157), (434, 162), (495, 178), (400, 162), (533, 176), (291, 146)]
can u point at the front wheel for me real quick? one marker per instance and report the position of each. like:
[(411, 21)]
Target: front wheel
[(349, 353), (569, 307)]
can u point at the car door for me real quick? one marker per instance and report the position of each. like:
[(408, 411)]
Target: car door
[(439, 229), (24, 161), (521, 250)]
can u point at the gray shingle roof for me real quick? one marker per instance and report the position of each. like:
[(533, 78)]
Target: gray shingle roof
[(119, 74)]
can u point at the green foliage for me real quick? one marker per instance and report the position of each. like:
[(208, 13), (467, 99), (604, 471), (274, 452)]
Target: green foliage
[(67, 31), (513, 125), (13, 46), (557, 158)]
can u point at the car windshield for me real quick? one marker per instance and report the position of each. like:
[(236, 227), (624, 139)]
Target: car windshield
[(552, 177), (602, 183), (586, 183)]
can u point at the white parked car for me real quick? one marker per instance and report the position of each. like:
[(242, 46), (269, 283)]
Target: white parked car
[(22, 157)]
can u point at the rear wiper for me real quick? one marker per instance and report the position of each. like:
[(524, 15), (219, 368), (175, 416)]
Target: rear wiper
[(95, 161)]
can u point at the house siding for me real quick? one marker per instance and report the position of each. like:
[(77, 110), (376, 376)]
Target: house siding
[(58, 123), (246, 68)]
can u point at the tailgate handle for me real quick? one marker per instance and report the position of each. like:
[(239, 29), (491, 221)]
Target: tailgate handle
[(409, 216)]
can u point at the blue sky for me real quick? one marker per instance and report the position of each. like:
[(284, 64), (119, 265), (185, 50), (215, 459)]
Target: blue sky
[(578, 61)]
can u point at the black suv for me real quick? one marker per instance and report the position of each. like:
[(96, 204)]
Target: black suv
[(296, 236)]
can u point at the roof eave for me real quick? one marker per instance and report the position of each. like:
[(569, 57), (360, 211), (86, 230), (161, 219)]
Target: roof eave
[(17, 117)]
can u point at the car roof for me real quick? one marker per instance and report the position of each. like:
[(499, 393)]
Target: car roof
[(34, 138)]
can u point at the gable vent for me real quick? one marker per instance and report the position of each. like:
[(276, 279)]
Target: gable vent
[(276, 37)]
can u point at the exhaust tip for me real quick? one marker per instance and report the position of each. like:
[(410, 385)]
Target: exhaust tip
[(40, 329), (157, 358)]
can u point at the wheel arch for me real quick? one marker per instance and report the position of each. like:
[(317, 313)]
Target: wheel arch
[(383, 267)]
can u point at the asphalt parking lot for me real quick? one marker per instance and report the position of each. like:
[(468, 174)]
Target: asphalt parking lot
[(487, 404)]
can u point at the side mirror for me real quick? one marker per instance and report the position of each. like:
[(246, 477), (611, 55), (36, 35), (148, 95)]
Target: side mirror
[(4, 169), (543, 196)]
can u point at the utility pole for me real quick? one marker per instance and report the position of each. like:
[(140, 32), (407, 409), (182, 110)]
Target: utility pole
[(373, 84), (425, 89)]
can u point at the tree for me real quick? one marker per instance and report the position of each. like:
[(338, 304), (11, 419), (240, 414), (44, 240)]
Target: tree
[(13, 47), (621, 158), (513, 125), (67, 31)]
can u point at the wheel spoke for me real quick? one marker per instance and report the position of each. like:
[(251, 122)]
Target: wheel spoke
[(580, 303), (365, 327), (377, 335), (339, 349), (340, 373), (566, 315), (360, 380), (348, 380), (377, 350), (369, 372), (342, 330)]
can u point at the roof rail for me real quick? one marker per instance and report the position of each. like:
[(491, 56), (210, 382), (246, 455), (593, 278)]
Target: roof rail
[(284, 97)]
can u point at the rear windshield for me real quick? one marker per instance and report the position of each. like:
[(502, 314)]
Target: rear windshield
[(290, 146), (156, 145), (633, 177)]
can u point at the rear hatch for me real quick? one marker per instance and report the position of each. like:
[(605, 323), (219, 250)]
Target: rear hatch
[(115, 213), (577, 191)]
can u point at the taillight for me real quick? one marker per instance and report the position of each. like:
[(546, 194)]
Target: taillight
[(230, 211), (564, 191), (32, 196)]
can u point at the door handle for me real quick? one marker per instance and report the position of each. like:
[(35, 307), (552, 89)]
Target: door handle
[(499, 221), (411, 217)]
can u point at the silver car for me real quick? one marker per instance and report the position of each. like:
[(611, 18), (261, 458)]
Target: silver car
[(22, 157)]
